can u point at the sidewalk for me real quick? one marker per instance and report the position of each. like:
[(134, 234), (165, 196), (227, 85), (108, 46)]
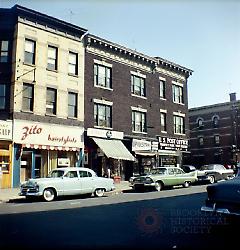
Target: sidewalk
[(12, 193)]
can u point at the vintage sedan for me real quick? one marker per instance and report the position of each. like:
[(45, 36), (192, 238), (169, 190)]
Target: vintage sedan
[(223, 197), (67, 181), (163, 177), (213, 173)]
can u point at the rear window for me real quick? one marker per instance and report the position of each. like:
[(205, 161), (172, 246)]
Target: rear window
[(207, 167)]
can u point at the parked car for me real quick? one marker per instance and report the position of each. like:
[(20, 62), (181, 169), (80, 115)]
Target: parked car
[(162, 177), (188, 168), (223, 197), (213, 173), (67, 181)]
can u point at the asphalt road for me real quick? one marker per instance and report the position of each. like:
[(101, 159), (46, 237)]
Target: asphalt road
[(150, 220)]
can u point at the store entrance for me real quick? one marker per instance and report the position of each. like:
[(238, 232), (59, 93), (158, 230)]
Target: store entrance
[(26, 166)]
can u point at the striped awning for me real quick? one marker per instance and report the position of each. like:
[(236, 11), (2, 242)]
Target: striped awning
[(47, 147)]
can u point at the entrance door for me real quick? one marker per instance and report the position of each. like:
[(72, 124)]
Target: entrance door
[(26, 166), (38, 166)]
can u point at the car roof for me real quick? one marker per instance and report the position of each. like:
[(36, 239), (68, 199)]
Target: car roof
[(73, 168)]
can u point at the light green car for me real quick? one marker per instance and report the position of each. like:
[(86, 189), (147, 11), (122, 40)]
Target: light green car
[(162, 177)]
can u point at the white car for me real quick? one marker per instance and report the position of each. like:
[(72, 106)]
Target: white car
[(67, 181)]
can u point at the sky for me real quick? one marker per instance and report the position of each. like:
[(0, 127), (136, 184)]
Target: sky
[(202, 35)]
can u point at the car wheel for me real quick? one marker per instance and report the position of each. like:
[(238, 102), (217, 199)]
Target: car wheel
[(186, 184), (211, 179), (99, 192), (158, 186), (48, 194)]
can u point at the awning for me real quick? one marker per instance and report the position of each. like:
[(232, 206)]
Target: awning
[(114, 149)]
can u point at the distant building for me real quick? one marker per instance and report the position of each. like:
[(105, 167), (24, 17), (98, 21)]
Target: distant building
[(215, 133), (41, 94), (136, 105)]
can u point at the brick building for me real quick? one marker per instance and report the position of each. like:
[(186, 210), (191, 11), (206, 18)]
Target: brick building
[(215, 133), (137, 101)]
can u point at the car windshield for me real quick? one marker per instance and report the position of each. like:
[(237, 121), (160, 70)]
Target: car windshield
[(207, 167), (55, 174)]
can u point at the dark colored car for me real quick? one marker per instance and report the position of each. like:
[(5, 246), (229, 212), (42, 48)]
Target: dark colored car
[(214, 172), (224, 197), (188, 168)]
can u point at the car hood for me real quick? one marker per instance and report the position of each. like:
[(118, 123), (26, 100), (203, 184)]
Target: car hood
[(226, 191), (41, 180)]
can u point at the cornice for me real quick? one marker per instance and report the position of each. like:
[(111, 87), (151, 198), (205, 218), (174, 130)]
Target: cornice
[(155, 63)]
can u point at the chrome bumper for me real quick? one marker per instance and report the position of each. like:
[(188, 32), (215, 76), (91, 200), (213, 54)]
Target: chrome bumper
[(213, 210)]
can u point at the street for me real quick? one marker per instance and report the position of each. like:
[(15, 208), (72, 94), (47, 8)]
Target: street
[(167, 219)]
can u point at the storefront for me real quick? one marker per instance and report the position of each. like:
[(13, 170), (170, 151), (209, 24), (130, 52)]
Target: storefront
[(5, 154), (146, 155), (171, 151), (106, 154), (40, 147)]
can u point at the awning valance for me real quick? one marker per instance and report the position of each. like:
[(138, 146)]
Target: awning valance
[(114, 149), (145, 153)]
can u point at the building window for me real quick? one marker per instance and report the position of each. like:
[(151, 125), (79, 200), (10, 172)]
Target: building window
[(163, 120), (177, 94), (162, 89), (52, 58), (2, 96), (72, 104), (27, 97), (179, 126), (200, 123), (139, 121), (201, 141), (102, 115), (29, 53), (102, 76), (138, 85), (51, 101), (215, 121), (3, 51), (73, 63), (216, 139)]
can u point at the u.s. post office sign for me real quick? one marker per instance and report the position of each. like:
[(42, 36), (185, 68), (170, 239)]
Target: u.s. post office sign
[(169, 143)]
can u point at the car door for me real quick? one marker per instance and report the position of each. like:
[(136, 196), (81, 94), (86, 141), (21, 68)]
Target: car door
[(87, 181), (170, 178), (180, 176), (71, 183)]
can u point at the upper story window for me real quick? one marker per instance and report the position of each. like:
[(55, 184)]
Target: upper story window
[(102, 115), (179, 124), (200, 141), (102, 76), (2, 96), (163, 121), (215, 121), (29, 51), (3, 51), (72, 104), (27, 97), (52, 58), (51, 101), (139, 121), (138, 85), (177, 94), (162, 89), (216, 139), (200, 122), (73, 63)]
